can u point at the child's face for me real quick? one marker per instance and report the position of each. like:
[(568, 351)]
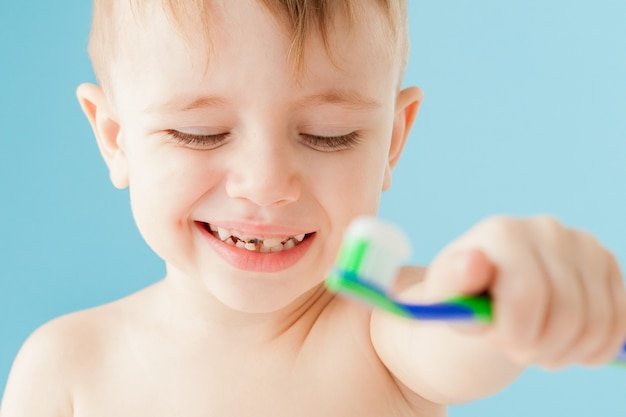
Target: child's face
[(239, 144)]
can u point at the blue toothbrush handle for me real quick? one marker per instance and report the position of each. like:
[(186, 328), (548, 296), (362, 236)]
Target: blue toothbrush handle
[(442, 311), (469, 309), (461, 308)]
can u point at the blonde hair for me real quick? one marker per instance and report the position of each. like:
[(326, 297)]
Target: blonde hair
[(191, 18)]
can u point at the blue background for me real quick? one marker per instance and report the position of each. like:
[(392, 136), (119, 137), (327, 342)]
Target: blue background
[(524, 113)]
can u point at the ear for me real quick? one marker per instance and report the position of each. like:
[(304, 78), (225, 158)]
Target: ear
[(106, 128), (407, 105)]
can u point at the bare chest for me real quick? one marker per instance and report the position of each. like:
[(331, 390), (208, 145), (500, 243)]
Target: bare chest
[(322, 365), (340, 382)]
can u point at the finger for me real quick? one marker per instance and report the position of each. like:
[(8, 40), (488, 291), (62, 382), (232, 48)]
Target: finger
[(619, 294), (567, 326), (566, 315), (459, 272), (521, 299), (598, 319), (476, 273), (616, 327)]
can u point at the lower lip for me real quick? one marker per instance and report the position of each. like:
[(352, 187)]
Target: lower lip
[(256, 261)]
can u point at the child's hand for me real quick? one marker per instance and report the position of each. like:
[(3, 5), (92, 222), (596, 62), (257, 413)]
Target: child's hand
[(558, 295)]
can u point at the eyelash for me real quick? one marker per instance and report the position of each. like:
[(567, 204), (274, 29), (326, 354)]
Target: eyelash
[(328, 143), (332, 143), (198, 141)]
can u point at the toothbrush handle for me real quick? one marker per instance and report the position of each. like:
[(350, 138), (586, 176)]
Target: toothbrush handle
[(463, 308), (477, 308), (460, 308)]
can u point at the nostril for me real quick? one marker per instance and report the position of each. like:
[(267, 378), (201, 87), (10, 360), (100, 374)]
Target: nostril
[(265, 193), (266, 177)]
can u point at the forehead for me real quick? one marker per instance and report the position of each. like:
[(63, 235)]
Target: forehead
[(243, 40)]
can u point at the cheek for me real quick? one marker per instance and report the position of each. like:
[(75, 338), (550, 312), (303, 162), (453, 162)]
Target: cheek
[(351, 185), (165, 186), (364, 175), (345, 190), (169, 175)]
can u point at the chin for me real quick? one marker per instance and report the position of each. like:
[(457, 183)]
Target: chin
[(263, 297)]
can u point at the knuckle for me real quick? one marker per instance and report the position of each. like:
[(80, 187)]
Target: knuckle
[(502, 227), (553, 364), (598, 358), (614, 268), (528, 315), (548, 222), (553, 232), (620, 315), (619, 296), (524, 299), (522, 356)]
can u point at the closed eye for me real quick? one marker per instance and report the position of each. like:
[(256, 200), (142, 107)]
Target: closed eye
[(198, 141), (331, 143)]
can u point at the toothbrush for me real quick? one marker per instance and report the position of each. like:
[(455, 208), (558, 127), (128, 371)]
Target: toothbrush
[(368, 262)]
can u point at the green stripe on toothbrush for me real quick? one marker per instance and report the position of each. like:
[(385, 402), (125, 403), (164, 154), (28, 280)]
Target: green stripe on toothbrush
[(335, 282), (345, 278), (479, 305), (350, 261), (351, 255)]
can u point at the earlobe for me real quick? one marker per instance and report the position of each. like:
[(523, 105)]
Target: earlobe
[(106, 129), (407, 105)]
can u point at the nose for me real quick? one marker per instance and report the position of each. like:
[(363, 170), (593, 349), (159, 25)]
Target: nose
[(264, 173)]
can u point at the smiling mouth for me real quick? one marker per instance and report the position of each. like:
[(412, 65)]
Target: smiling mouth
[(261, 244)]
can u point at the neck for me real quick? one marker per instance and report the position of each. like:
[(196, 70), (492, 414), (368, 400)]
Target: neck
[(188, 306)]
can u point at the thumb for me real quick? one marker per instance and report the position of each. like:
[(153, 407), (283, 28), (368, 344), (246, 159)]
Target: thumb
[(459, 272)]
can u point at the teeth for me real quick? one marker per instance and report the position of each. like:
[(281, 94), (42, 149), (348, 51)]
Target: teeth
[(276, 249), (272, 241), (223, 233), (256, 244)]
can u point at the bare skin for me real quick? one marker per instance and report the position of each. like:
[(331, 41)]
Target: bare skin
[(243, 144), (134, 358)]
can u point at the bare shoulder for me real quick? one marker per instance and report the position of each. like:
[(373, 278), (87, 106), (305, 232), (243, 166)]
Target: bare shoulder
[(56, 356), (387, 331), (358, 323), (344, 340), (37, 372), (41, 377)]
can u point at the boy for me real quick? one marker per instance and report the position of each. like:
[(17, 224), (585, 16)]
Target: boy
[(250, 133)]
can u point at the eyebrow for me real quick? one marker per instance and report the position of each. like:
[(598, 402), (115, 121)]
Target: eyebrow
[(347, 98), (184, 103)]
